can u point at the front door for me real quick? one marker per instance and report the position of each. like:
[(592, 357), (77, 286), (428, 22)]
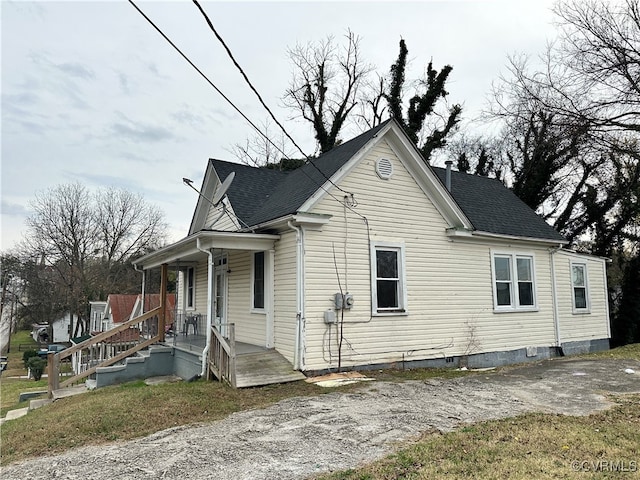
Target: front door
[(220, 291)]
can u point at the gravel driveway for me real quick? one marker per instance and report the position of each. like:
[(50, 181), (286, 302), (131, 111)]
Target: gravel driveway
[(300, 437)]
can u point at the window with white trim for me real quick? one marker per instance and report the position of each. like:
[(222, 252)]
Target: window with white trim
[(513, 282), (258, 281), (580, 287), (387, 277), (190, 287)]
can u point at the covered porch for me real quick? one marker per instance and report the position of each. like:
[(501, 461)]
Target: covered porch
[(224, 306)]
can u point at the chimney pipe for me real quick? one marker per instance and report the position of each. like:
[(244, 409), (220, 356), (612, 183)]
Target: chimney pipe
[(447, 178)]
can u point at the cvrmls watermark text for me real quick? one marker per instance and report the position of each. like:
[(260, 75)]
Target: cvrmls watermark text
[(604, 465)]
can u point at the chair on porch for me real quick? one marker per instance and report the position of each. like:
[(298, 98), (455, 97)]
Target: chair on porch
[(191, 320)]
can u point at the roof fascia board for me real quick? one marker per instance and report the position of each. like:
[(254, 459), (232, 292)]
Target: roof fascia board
[(426, 179), (572, 253), (342, 172), (311, 221), (478, 235), (299, 218), (168, 253), (206, 240), (237, 241)]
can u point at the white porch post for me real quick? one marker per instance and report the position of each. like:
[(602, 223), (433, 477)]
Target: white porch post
[(210, 306)]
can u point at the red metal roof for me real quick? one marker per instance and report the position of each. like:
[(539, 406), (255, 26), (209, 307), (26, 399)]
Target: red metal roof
[(121, 306)]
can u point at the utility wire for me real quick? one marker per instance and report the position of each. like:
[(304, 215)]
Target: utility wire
[(202, 74), (266, 107), (244, 116), (244, 75)]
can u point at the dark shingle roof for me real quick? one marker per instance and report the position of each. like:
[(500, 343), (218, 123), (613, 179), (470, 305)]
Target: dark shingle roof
[(493, 208), (259, 194)]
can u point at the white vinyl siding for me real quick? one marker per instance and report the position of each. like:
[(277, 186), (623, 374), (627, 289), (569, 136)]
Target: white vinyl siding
[(448, 282), (250, 327), (226, 222), (576, 325), (285, 295)]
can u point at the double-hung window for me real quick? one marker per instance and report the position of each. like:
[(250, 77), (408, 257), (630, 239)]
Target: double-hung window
[(190, 288), (387, 277), (258, 281), (579, 286), (513, 282)]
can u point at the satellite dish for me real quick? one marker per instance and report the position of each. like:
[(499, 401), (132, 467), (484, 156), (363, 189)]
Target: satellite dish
[(222, 189)]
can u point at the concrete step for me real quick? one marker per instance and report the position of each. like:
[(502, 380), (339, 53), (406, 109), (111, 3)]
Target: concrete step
[(40, 402), (17, 413)]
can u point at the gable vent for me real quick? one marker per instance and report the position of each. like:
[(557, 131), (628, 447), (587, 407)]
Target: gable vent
[(384, 168)]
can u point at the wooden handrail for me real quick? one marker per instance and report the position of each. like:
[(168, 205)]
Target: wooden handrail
[(53, 368), (223, 360), (108, 334), (110, 361)]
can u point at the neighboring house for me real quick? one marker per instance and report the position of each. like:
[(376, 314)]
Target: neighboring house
[(117, 310), (96, 316), (56, 331), (366, 258)]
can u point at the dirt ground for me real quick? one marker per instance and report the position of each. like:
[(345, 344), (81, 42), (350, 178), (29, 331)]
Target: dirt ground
[(300, 437)]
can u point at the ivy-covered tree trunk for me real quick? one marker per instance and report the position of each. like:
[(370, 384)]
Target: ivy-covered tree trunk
[(421, 105)]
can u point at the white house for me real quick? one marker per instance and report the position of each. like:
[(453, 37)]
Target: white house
[(367, 256), (56, 331)]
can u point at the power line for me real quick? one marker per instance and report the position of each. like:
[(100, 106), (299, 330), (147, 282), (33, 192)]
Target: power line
[(244, 75), (266, 107), (247, 118), (202, 74)]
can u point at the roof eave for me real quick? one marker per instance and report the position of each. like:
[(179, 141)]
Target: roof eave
[(202, 241), (480, 235)]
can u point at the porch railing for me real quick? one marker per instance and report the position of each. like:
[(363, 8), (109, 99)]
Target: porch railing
[(222, 354), (106, 349), (112, 346)]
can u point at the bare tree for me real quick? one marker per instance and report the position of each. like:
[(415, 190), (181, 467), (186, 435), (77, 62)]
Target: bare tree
[(574, 151), (80, 245), (326, 84), (263, 150)]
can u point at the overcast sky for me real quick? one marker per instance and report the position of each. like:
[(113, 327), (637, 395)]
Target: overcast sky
[(91, 93)]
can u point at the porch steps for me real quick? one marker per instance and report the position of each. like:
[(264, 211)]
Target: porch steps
[(264, 368)]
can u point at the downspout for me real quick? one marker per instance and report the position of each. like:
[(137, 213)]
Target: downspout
[(297, 353), (210, 268), (554, 294)]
